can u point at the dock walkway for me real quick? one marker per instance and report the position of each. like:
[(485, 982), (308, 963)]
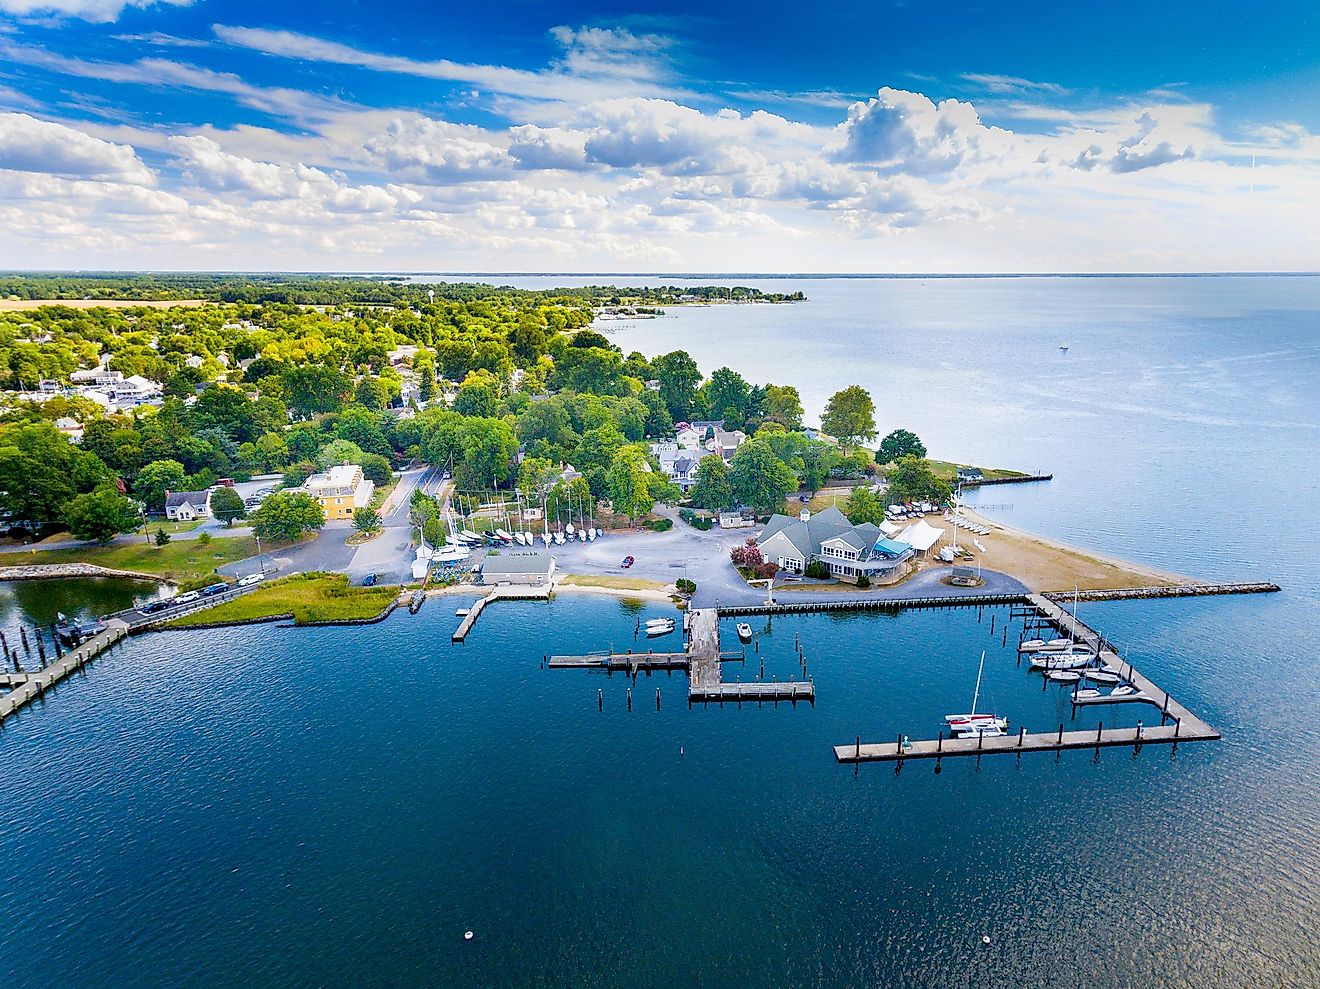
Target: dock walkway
[(1177, 723), (35, 683), (505, 592)]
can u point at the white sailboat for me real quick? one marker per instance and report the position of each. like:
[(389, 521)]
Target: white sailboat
[(964, 725)]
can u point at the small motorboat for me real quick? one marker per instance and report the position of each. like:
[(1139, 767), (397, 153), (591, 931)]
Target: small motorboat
[(1086, 693), (1064, 676), (462, 612), (660, 621), (744, 632), (1124, 690), (1032, 645), (1105, 675), (664, 628)]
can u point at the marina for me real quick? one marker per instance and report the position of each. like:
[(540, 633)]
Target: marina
[(31, 685), (1177, 723)]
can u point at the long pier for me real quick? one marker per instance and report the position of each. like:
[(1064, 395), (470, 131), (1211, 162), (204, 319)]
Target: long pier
[(33, 684), (874, 604), (703, 661), (1177, 723)]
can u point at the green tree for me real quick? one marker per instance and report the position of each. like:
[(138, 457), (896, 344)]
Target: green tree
[(598, 448), (286, 515), (713, 490), (338, 452), (371, 393), (487, 450), (678, 376), (727, 389), (477, 396), (226, 505), (629, 483), (40, 471), (162, 537), (366, 520), (864, 505), (535, 475), (783, 405), (818, 459), (102, 514), (911, 479), (155, 479), (850, 416), (759, 478), (900, 443), (313, 388), (376, 469)]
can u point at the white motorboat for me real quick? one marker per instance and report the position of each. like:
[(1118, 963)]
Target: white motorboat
[(660, 621), (1032, 645), (1102, 676), (462, 612), (744, 632), (1124, 690), (655, 630), (1086, 693), (976, 724), (1061, 661), (1064, 676)]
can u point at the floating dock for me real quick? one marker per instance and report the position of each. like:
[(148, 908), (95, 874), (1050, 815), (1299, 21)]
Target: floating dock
[(33, 684), (702, 660)]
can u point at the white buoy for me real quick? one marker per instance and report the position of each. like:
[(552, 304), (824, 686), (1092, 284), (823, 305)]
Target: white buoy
[(985, 938), (467, 936)]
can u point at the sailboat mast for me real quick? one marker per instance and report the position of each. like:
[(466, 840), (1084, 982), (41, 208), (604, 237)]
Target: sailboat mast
[(977, 693)]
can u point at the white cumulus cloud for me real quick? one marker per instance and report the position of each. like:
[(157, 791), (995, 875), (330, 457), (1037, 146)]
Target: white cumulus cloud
[(96, 11), (31, 145)]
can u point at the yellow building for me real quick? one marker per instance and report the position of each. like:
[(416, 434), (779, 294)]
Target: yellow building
[(340, 490)]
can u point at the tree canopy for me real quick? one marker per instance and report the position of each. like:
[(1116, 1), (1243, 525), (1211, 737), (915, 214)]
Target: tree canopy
[(850, 416)]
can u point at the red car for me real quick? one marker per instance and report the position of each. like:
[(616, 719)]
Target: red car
[(628, 561)]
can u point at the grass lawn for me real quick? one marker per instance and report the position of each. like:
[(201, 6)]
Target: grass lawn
[(186, 561), (380, 494), (617, 583), (173, 528), (311, 597), (948, 471)]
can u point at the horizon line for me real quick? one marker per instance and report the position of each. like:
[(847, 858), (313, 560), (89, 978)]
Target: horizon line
[(399, 272)]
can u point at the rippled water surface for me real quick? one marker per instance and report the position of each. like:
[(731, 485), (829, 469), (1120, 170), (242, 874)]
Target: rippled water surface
[(336, 807)]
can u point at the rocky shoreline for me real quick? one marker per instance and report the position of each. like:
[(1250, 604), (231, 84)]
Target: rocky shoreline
[(56, 571)]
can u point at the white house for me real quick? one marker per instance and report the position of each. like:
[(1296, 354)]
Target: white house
[(678, 462), (848, 551), (187, 506)]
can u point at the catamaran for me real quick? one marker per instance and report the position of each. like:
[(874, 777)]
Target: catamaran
[(976, 724)]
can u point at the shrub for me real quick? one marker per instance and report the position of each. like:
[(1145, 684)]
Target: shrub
[(686, 586), (767, 570), (204, 539), (863, 581), (818, 570), (701, 522), (660, 525), (747, 556)]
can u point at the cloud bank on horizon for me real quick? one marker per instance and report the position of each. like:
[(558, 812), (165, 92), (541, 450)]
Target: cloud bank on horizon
[(205, 135)]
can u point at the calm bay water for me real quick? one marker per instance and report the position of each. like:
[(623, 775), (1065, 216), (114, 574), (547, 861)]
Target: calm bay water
[(335, 807)]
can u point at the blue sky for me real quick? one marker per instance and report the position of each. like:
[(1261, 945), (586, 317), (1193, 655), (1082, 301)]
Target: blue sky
[(735, 136)]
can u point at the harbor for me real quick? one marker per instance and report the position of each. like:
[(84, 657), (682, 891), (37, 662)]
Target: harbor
[(27, 686)]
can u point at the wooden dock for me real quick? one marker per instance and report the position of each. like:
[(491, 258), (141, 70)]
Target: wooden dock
[(702, 660), (874, 604), (33, 684), (504, 592), (1177, 723), (1050, 741)]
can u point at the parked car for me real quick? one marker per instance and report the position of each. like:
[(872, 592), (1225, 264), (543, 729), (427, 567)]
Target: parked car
[(628, 561), (151, 607), (369, 580), (214, 589), (250, 579), (186, 598)]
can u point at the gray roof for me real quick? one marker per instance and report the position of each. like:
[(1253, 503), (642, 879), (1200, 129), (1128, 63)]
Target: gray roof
[(806, 537), (529, 561), (195, 498)]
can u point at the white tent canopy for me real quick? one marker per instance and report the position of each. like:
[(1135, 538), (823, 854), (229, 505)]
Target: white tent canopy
[(890, 529), (921, 535)]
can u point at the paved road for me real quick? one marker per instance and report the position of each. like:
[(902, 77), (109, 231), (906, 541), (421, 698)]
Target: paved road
[(326, 552), (390, 555)]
